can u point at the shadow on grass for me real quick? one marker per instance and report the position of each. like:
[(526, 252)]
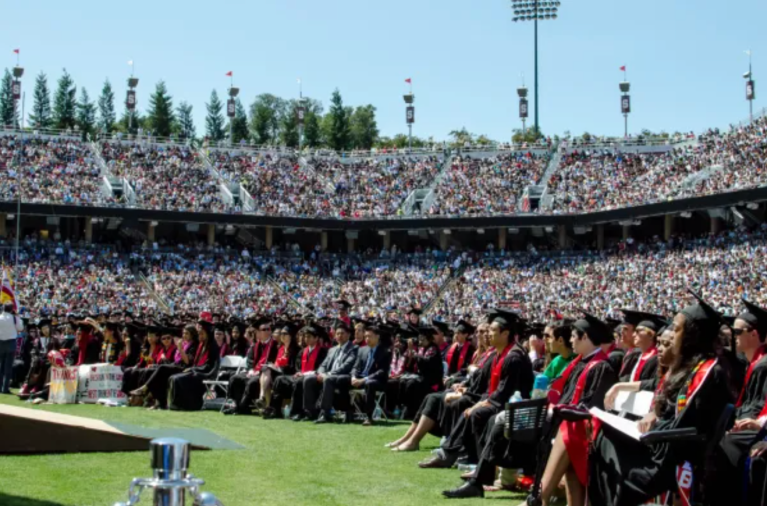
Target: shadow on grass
[(12, 500)]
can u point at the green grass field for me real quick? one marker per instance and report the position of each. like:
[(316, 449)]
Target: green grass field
[(284, 463)]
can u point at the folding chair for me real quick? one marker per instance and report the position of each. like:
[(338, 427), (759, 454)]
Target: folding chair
[(379, 413), (211, 400)]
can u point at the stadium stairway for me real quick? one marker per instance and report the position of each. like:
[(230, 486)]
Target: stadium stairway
[(422, 198), (306, 166), (455, 276), (160, 301)]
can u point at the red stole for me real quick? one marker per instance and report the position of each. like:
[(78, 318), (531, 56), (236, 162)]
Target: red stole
[(309, 359), (82, 348), (168, 354), (282, 357), (201, 357), (760, 352), (495, 376), (574, 433), (461, 356), (558, 385), (659, 389), (642, 361), (262, 352), (699, 375), (483, 359), (225, 351)]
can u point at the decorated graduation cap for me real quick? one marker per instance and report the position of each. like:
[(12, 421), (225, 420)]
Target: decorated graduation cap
[(597, 330), (706, 318), (464, 327), (756, 317)]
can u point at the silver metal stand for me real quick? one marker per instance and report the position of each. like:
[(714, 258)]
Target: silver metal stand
[(170, 482)]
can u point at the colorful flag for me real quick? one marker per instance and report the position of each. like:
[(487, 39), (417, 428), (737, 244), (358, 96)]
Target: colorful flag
[(6, 290), (229, 74), (409, 81), (16, 51), (623, 68)]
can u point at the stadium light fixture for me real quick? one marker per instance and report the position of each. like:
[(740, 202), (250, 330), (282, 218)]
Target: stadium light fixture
[(750, 92), (535, 10)]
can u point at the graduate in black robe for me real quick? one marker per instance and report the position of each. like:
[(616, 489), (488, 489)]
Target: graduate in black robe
[(750, 329), (645, 366), (23, 359), (186, 390), (626, 472), (511, 372), (424, 371), (458, 356)]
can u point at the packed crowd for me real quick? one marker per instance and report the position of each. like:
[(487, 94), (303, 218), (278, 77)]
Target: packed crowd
[(597, 179), (650, 276), (486, 186), (49, 169), (169, 177)]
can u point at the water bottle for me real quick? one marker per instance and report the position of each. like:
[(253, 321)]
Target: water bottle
[(517, 397), (540, 387), (286, 411)]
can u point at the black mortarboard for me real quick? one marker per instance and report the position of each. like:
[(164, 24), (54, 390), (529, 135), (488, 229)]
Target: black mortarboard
[(504, 318), (755, 316), (707, 319), (614, 323), (414, 310), (464, 327), (650, 321), (633, 317), (44, 322), (220, 326), (113, 326), (341, 324), (206, 325), (441, 326), (597, 330), (427, 331), (406, 330), (316, 330), (343, 303)]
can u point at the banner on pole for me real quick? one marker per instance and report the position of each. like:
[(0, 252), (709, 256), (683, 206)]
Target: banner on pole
[(410, 115)]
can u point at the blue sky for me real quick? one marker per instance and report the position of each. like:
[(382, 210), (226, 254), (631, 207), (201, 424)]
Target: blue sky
[(685, 59)]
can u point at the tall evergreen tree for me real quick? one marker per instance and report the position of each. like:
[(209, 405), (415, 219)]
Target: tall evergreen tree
[(40, 116), (312, 131), (161, 116), (289, 132), (186, 121), (239, 123), (65, 103), (86, 114), (338, 123), (9, 112), (131, 122), (214, 121), (107, 115), (266, 115), (363, 127)]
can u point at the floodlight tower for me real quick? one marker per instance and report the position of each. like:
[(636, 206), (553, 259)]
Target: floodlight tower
[(523, 107), (231, 110), (410, 118), (130, 99), (535, 10), (750, 90), (625, 86)]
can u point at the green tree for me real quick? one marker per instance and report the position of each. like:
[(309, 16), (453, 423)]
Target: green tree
[(214, 121), (239, 123), (130, 122), (337, 124), (400, 141), (266, 118), (40, 117), (86, 114), (289, 132), (9, 112), (363, 127), (461, 137), (65, 103), (107, 115), (312, 123), (530, 136), (161, 118), (186, 121)]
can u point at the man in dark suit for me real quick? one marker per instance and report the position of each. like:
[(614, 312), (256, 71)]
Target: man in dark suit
[(371, 372), (334, 372)]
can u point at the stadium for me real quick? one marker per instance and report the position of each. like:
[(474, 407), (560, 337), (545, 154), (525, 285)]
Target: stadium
[(330, 315)]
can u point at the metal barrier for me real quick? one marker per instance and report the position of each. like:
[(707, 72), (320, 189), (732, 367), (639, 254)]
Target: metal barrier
[(170, 483)]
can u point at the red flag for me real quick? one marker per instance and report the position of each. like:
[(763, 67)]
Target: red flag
[(409, 81), (16, 51), (229, 74), (623, 68)]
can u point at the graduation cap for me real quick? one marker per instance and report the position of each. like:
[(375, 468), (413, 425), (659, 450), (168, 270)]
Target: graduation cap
[(220, 326), (206, 325), (441, 326), (464, 327), (506, 319), (43, 322), (755, 316), (426, 331), (341, 324), (614, 323), (414, 310), (597, 330), (113, 326), (650, 321), (317, 331), (344, 304), (707, 319)]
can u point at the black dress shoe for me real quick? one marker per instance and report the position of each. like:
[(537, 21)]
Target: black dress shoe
[(465, 491), (435, 463)]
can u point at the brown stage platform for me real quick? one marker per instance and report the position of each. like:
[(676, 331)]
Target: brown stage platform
[(27, 431)]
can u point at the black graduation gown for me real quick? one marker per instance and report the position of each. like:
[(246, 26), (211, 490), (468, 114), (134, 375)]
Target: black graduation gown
[(649, 371), (625, 472), (22, 362), (629, 361), (615, 358), (185, 390), (735, 446), (424, 376)]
